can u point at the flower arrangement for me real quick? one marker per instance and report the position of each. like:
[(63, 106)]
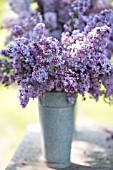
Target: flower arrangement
[(79, 62)]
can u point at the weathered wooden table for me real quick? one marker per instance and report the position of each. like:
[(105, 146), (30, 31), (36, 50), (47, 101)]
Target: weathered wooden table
[(90, 150)]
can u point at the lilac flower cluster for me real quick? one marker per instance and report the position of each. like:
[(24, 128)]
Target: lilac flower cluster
[(23, 25), (54, 14), (84, 16), (76, 63), (79, 7), (41, 64), (82, 12), (37, 64), (78, 18), (6, 72), (103, 18), (87, 59)]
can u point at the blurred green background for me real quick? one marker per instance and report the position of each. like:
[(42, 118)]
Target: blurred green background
[(14, 120)]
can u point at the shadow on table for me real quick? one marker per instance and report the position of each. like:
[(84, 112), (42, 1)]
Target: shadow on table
[(90, 150)]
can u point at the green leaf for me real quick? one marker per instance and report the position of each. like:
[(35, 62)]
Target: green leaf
[(52, 67)]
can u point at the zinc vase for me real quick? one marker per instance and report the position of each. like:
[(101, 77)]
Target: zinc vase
[(56, 120)]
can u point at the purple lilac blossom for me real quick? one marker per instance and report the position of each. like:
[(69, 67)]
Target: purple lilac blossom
[(23, 25), (85, 24), (80, 6), (78, 18), (42, 64), (82, 12), (36, 63), (88, 60)]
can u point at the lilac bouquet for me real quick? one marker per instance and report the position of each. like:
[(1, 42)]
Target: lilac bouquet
[(77, 63)]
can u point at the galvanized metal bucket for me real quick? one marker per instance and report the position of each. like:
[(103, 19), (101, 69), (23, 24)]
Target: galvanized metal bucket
[(56, 119)]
